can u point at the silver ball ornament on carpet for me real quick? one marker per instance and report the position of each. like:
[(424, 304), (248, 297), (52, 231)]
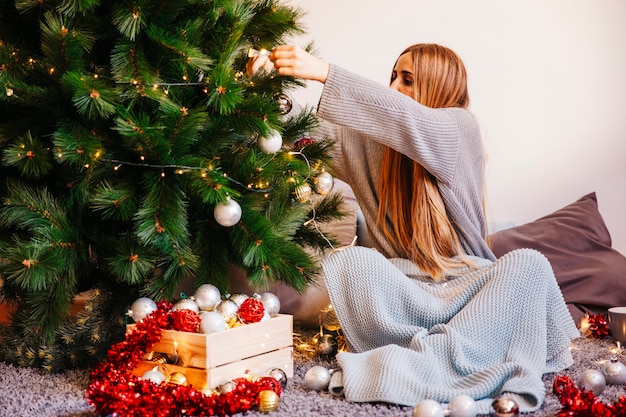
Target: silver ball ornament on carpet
[(504, 406), (141, 308), (462, 406), (227, 213), (323, 183), (317, 378), (270, 143), (428, 408), (591, 380), (212, 322), (279, 375), (207, 297), (326, 345), (186, 304), (271, 303), (614, 372)]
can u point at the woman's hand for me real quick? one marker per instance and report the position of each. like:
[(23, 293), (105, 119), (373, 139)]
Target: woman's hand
[(257, 62), (296, 62)]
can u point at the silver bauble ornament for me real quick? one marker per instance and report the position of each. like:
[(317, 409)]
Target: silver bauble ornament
[(270, 143), (614, 372), (154, 375), (591, 380), (428, 408), (207, 297), (271, 303), (226, 387), (141, 308), (186, 304), (279, 375), (504, 406), (227, 213), (228, 309), (303, 192), (462, 406), (323, 183), (212, 322), (317, 378), (238, 298), (284, 104), (327, 345)]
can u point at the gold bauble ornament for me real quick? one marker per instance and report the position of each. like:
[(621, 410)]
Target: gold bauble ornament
[(178, 378), (268, 401), (303, 192)]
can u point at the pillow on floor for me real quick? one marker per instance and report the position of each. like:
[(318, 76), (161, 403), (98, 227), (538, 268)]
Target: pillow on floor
[(591, 274)]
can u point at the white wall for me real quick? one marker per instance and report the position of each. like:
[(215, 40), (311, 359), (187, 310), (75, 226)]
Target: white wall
[(547, 82)]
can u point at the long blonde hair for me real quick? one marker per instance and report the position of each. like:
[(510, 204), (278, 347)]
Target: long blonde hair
[(409, 194)]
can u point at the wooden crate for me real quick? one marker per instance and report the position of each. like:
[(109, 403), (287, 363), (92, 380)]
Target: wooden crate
[(208, 360)]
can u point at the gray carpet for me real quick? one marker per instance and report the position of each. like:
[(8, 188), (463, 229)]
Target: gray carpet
[(28, 392)]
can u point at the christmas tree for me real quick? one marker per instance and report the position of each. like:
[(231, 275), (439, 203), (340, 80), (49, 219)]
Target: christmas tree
[(138, 154)]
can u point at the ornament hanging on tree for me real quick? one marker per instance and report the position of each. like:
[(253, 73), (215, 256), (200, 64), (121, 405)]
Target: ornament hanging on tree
[(227, 213), (207, 297), (303, 192), (141, 308), (271, 143), (323, 183), (284, 104)]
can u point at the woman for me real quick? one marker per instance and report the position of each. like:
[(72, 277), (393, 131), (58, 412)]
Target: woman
[(429, 313)]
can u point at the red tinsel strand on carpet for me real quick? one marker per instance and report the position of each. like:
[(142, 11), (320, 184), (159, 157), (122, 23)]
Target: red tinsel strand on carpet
[(114, 390), (583, 403)]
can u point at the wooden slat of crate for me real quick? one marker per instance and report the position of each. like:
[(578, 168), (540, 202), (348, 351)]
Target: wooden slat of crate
[(206, 351), (202, 379)]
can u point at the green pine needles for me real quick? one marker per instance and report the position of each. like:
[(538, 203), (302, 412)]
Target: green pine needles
[(123, 125)]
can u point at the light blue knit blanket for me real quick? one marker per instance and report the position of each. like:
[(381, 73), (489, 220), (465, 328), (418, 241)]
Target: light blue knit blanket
[(489, 332)]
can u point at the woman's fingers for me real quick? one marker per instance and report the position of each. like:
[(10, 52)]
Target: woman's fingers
[(294, 61)]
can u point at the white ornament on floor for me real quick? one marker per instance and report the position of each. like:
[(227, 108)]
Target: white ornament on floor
[(462, 406), (614, 372), (428, 408), (591, 380), (317, 378)]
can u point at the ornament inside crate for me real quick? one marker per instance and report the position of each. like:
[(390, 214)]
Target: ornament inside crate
[(242, 349)]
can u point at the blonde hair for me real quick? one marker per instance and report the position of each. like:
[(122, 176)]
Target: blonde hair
[(409, 194)]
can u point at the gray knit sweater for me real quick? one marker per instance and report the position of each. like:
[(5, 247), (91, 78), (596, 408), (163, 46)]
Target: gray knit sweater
[(490, 331), (447, 142)]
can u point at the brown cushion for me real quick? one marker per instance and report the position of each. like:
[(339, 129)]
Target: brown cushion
[(591, 274)]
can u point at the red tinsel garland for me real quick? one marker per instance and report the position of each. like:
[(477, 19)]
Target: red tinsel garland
[(114, 390), (598, 326), (583, 403)]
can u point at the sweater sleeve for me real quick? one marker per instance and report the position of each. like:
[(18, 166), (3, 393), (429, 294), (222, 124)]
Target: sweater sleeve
[(376, 112)]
